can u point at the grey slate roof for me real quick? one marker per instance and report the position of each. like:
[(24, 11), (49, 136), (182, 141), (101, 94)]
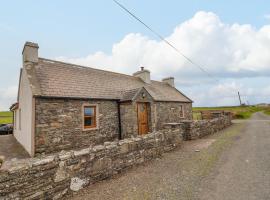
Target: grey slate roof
[(58, 79)]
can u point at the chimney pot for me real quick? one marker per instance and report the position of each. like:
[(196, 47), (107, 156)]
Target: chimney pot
[(142, 68)]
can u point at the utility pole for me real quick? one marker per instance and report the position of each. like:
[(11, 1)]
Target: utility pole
[(239, 98)]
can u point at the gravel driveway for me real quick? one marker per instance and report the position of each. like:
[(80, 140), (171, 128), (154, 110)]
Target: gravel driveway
[(243, 172), (177, 175)]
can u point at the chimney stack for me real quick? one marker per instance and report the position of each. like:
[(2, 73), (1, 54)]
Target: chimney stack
[(30, 52), (144, 75), (169, 80)]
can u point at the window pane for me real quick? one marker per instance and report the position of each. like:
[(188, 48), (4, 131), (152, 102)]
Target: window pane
[(88, 111), (88, 121)]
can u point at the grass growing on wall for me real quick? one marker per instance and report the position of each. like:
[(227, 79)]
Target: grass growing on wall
[(6, 117)]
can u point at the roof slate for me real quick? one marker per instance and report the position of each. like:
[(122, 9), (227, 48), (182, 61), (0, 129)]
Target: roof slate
[(58, 79)]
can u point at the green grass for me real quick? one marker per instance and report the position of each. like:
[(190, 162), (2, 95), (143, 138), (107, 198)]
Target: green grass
[(6, 117), (267, 111), (239, 112), (6, 114)]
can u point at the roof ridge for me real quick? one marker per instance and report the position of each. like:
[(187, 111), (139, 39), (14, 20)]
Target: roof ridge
[(87, 67)]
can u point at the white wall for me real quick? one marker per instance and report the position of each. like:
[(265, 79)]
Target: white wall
[(24, 134)]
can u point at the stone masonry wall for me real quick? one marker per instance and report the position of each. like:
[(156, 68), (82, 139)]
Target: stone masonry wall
[(58, 175), (159, 113), (198, 129), (169, 112), (129, 120), (59, 125)]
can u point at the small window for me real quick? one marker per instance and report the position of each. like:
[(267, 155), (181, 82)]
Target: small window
[(90, 120), (181, 111)]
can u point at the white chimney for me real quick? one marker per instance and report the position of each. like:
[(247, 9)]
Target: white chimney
[(30, 52), (169, 80), (144, 75)]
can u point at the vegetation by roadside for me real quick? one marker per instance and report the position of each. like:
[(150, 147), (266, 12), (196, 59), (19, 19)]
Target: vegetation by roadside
[(6, 117), (267, 111), (239, 112)]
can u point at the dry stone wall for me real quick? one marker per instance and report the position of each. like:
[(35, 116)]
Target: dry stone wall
[(197, 129), (58, 175)]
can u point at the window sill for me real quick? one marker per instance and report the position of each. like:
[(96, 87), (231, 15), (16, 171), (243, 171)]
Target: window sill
[(90, 129)]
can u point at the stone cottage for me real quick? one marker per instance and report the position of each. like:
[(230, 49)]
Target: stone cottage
[(63, 106)]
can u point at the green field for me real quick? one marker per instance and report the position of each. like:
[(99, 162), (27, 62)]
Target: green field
[(6, 117), (239, 112)]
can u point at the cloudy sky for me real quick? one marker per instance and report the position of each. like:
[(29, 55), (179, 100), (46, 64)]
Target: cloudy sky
[(230, 39)]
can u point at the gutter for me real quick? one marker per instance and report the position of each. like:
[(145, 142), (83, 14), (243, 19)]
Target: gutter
[(119, 121)]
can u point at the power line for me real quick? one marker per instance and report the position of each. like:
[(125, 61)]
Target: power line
[(166, 41)]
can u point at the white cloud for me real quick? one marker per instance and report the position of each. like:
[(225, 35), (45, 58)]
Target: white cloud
[(227, 51), (224, 50), (7, 97)]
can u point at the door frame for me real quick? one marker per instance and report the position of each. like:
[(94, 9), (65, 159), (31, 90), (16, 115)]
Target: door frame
[(148, 111)]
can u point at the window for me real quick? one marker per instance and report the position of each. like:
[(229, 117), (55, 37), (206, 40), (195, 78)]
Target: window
[(181, 111), (89, 117)]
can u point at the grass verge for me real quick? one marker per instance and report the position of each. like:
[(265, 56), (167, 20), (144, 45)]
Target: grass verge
[(267, 111)]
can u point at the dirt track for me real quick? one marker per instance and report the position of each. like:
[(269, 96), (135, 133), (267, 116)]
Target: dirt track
[(232, 164)]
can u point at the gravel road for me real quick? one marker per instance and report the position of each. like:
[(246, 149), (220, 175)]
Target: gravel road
[(232, 164), (243, 172)]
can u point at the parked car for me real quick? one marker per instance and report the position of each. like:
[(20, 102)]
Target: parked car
[(6, 129)]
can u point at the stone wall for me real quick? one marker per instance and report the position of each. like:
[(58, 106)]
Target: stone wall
[(129, 120), (159, 113), (59, 125), (200, 128), (59, 122), (169, 112), (58, 175)]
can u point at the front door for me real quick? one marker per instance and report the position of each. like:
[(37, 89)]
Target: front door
[(142, 118)]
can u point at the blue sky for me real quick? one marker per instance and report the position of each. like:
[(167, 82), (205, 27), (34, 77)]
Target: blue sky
[(74, 30)]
